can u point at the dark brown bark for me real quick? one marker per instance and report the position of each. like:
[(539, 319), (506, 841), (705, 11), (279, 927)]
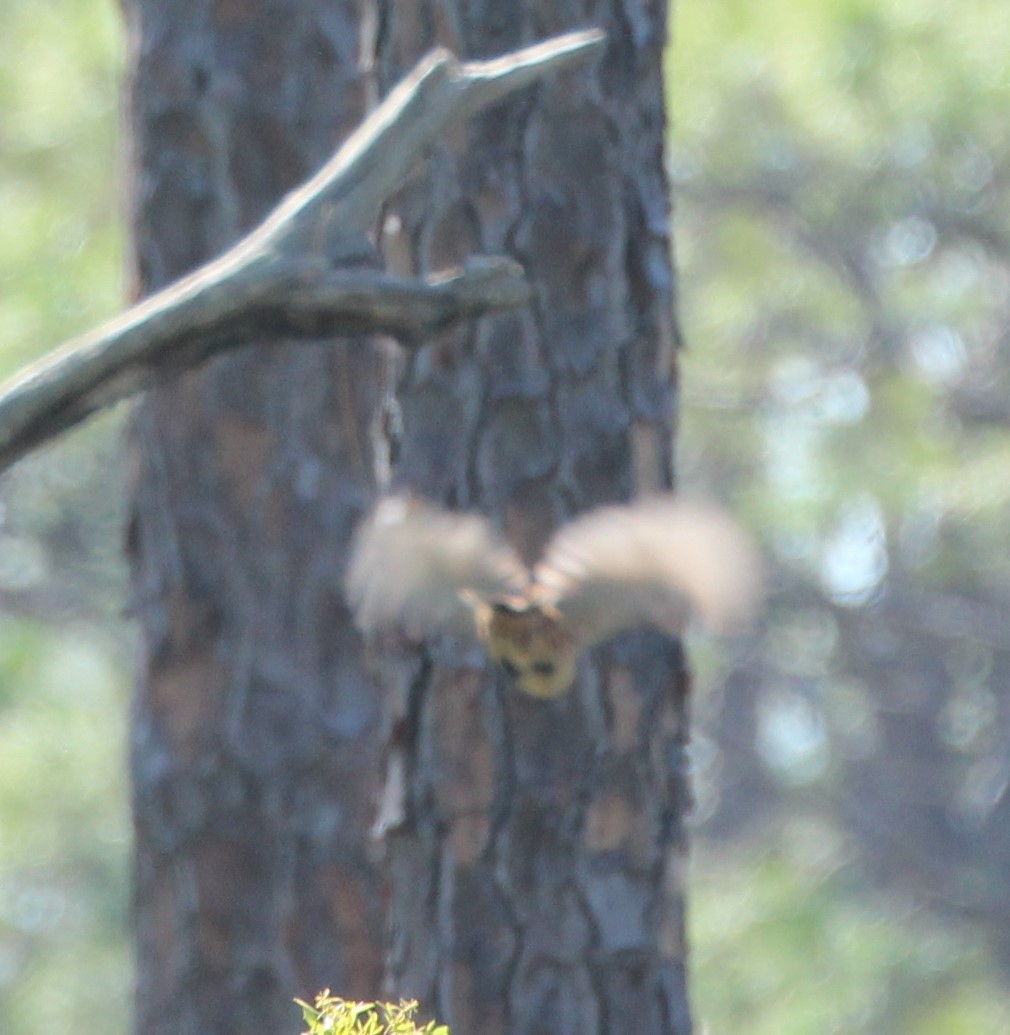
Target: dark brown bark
[(536, 879), (536, 869), (255, 727)]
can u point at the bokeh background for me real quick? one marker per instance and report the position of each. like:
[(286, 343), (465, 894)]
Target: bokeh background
[(841, 173)]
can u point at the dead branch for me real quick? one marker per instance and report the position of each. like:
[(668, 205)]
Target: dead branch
[(284, 279)]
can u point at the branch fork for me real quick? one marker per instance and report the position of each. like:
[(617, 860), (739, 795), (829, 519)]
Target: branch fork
[(277, 283)]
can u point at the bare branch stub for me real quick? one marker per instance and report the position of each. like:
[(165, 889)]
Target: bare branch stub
[(281, 281)]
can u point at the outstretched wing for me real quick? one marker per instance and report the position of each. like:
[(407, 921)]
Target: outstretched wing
[(655, 562), (410, 562)]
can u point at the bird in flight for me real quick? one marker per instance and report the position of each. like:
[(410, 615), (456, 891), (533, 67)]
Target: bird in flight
[(425, 570)]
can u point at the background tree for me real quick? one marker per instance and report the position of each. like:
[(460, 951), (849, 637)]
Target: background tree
[(65, 653), (855, 413)]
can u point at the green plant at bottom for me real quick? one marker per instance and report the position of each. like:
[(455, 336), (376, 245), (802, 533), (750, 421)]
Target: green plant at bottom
[(331, 1015)]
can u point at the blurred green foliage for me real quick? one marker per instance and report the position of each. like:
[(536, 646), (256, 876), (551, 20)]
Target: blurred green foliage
[(787, 941), (63, 850), (842, 172), (61, 232), (64, 825)]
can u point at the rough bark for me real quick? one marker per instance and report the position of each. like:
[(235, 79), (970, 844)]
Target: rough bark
[(255, 727), (537, 856), (535, 874)]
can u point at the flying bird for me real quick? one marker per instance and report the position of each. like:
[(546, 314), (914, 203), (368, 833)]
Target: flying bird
[(656, 562)]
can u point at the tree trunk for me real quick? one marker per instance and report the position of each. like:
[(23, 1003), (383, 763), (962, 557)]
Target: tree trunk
[(255, 738), (536, 871), (535, 868)]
